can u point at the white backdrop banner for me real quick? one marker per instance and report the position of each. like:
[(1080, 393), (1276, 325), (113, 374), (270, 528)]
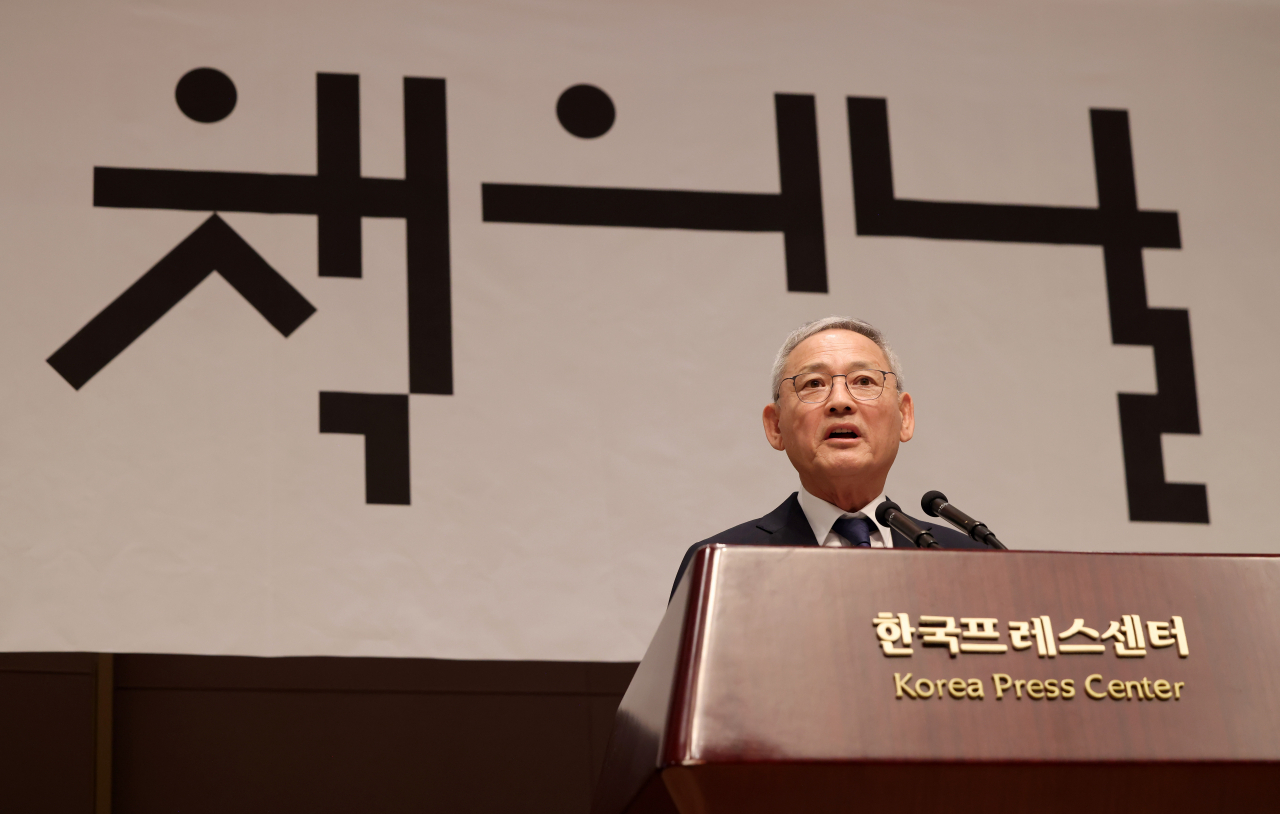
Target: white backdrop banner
[(443, 328)]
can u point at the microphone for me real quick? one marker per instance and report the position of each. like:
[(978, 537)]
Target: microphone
[(935, 505), (890, 514)]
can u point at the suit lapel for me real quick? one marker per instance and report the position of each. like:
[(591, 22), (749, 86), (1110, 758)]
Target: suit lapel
[(787, 524)]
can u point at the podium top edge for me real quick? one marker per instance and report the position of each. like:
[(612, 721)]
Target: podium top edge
[(1012, 552)]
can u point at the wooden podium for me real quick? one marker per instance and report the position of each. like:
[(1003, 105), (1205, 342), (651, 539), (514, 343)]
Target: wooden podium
[(848, 680)]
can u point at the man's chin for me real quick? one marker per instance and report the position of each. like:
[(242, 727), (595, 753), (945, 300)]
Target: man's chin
[(844, 467)]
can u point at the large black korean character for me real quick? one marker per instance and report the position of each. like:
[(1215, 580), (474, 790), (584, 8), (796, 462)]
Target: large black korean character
[(1122, 230), (339, 195), (795, 210)]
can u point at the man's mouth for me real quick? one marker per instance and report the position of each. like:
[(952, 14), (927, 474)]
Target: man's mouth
[(842, 433)]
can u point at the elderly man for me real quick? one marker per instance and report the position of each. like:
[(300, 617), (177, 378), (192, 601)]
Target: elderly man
[(839, 412)]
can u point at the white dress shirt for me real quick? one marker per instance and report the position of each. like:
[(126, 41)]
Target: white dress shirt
[(823, 515)]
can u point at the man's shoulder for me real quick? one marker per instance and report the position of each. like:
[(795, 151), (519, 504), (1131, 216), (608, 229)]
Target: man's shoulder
[(784, 525), (767, 530), (748, 533)]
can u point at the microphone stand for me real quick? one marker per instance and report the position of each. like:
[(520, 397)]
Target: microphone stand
[(890, 514), (935, 504)]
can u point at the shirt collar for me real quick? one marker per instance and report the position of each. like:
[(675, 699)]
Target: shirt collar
[(823, 515)]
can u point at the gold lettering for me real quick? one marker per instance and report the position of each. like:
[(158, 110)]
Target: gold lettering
[(1130, 687), (1051, 688), (1181, 636), (1069, 687), (1115, 689), (956, 687), (1178, 685), (1163, 689), (1035, 689), (975, 688), (1002, 682), (921, 684), (1146, 688), (900, 684), (1017, 687), (1088, 686)]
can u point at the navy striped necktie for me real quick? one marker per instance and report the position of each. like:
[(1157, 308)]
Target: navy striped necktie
[(857, 530)]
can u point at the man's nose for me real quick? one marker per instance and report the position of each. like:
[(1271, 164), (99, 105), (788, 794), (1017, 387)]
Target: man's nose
[(840, 400)]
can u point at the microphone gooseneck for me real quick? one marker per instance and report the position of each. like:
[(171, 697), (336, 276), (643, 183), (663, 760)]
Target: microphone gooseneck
[(890, 514), (935, 504)]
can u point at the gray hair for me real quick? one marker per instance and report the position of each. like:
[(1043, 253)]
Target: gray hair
[(833, 324)]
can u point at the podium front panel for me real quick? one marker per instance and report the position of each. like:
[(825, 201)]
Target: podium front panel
[(804, 675), (791, 664)]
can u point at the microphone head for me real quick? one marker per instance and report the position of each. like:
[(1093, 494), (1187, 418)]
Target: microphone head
[(883, 510), (929, 499)]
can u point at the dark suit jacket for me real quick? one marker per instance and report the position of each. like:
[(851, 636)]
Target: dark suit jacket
[(787, 525)]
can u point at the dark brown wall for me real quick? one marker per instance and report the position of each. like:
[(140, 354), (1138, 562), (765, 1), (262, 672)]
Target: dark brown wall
[(214, 734), (47, 729)]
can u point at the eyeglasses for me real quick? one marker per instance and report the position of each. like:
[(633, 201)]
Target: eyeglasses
[(863, 385)]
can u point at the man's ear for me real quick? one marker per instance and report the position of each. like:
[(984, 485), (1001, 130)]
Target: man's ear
[(908, 409), (772, 426)]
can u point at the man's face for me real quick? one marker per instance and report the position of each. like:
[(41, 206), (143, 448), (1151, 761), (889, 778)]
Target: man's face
[(858, 458)]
